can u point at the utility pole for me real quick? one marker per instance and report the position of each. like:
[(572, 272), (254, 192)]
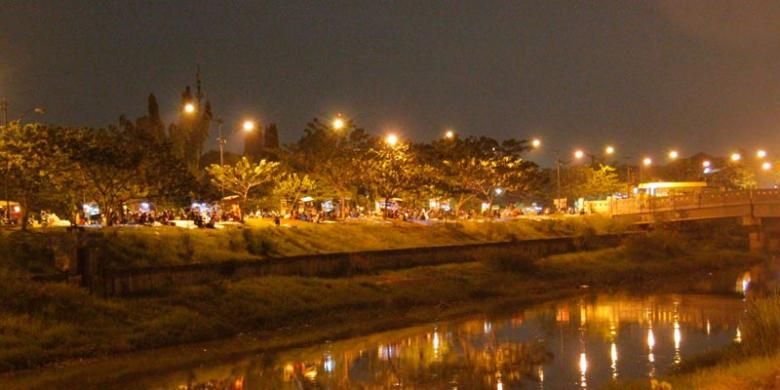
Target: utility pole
[(221, 141), (4, 109), (557, 180)]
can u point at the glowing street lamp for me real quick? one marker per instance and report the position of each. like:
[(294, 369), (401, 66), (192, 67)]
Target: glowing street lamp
[(761, 153), (609, 150), (189, 108), (248, 126), (579, 154), (735, 157), (706, 163), (673, 154), (338, 122), (766, 165), (391, 139), (449, 134), (536, 143), (647, 161)]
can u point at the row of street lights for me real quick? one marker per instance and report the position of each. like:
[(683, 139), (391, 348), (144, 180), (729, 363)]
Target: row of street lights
[(338, 123), (673, 154)]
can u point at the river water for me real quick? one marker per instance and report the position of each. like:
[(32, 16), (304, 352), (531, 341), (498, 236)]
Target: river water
[(578, 343)]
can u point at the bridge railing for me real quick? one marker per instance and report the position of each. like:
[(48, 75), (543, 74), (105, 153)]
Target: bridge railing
[(650, 204)]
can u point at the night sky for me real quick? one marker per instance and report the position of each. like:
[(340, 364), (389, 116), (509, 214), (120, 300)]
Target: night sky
[(700, 75)]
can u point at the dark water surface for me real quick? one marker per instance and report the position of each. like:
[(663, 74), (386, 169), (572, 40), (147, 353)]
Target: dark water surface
[(582, 342)]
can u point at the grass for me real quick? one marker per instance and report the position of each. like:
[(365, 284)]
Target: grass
[(127, 247), (41, 323)]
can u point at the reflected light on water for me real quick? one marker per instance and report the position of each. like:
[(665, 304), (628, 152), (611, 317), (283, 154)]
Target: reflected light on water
[(547, 349), (738, 337), (650, 339), (583, 370), (487, 327), (613, 355), (743, 283), (650, 355), (677, 339), (436, 342), (328, 363)]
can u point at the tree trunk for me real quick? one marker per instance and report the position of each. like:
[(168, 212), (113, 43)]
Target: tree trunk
[(25, 213)]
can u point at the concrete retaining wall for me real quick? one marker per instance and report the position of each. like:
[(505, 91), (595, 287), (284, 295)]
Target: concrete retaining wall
[(139, 280)]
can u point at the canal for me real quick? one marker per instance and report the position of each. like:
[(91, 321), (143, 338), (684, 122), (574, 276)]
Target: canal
[(581, 342)]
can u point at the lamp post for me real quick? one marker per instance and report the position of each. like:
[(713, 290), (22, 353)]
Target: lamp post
[(646, 163), (248, 126)]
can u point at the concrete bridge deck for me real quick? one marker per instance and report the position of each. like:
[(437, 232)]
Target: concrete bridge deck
[(759, 210), (706, 205)]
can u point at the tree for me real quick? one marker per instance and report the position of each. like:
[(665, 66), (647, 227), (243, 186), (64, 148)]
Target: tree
[(34, 165), (481, 167), (591, 182), (732, 177), (110, 162), (335, 158), (394, 170), (243, 177), (292, 187)]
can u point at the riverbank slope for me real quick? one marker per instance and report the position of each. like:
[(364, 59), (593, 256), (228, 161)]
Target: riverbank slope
[(44, 323)]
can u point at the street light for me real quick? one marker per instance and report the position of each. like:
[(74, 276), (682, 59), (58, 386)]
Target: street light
[(449, 134), (646, 163), (706, 163), (391, 139), (673, 154), (248, 125), (536, 143), (761, 153), (609, 150), (579, 154), (189, 108), (736, 157), (766, 165), (338, 122)]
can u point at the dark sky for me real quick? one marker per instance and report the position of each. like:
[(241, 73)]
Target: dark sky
[(695, 74)]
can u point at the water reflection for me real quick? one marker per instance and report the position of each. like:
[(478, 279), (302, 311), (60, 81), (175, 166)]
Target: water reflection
[(501, 352)]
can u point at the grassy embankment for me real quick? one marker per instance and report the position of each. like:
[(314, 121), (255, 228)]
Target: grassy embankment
[(129, 247), (41, 323)]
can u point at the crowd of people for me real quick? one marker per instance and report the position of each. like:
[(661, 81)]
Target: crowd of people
[(203, 215)]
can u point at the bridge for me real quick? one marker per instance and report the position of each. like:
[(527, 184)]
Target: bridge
[(758, 209)]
